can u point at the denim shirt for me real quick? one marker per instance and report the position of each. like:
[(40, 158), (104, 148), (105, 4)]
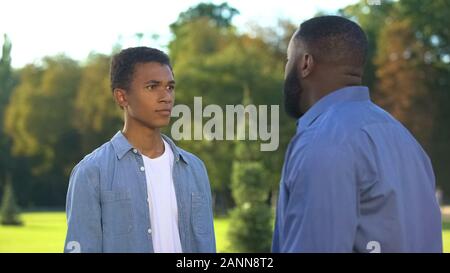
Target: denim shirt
[(107, 204)]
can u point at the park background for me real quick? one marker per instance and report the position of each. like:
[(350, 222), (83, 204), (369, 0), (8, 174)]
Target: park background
[(57, 106)]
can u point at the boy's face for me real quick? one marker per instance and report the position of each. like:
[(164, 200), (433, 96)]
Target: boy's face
[(150, 98)]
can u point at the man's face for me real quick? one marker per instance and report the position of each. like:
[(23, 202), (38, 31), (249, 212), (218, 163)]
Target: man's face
[(151, 95), (292, 86)]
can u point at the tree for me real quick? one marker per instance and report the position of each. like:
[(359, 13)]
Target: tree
[(9, 209), (217, 64), (251, 219), (219, 15), (6, 75), (39, 115), (408, 68), (97, 118), (7, 83), (39, 120), (429, 22), (373, 20), (401, 74), (196, 38)]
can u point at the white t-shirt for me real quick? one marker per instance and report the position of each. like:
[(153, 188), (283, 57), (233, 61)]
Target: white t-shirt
[(162, 202)]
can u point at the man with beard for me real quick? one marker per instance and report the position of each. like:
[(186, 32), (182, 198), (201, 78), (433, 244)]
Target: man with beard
[(354, 179)]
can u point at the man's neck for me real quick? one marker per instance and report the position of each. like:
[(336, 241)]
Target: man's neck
[(323, 88), (147, 140)]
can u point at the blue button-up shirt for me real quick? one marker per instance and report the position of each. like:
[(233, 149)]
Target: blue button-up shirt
[(107, 206), (355, 180)]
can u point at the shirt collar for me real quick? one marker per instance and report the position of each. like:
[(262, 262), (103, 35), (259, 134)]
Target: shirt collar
[(351, 93), (122, 146)]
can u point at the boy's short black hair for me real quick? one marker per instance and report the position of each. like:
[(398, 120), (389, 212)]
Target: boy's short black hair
[(123, 63)]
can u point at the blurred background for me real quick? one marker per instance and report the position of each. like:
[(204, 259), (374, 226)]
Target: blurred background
[(56, 105)]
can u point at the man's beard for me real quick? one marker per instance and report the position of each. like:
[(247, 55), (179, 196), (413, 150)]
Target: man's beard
[(292, 92)]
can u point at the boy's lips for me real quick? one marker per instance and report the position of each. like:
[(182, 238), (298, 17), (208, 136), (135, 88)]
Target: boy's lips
[(164, 111)]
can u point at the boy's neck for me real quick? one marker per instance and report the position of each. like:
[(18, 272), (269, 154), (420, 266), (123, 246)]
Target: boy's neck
[(147, 140)]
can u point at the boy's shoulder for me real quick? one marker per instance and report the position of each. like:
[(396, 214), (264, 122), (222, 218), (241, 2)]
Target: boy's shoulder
[(188, 157), (96, 159)]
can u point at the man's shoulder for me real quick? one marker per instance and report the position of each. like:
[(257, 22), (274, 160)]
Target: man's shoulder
[(348, 120), (351, 126), (359, 114), (335, 129)]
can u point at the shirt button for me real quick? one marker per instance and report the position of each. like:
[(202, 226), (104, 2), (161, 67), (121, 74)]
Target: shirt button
[(149, 231), (135, 151), (142, 168)]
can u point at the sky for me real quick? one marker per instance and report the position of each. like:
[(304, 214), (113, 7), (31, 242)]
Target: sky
[(39, 28)]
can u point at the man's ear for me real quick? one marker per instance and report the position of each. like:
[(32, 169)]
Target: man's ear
[(305, 65), (120, 96)]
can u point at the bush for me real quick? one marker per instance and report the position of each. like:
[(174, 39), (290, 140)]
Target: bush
[(9, 210), (251, 220), (249, 182), (251, 228)]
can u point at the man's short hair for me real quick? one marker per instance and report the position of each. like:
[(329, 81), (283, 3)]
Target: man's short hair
[(334, 39), (124, 62)]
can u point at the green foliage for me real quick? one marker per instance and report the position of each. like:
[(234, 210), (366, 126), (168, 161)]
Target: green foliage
[(7, 79), (373, 20), (97, 117), (9, 212), (408, 68), (39, 122), (250, 229), (251, 218), (54, 112), (219, 15), (430, 22), (248, 182), (39, 115), (7, 82), (218, 64)]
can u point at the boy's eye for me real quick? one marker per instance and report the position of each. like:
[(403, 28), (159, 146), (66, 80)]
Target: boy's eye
[(151, 87)]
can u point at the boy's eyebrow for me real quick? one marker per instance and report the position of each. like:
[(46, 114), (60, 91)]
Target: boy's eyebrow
[(153, 81), (158, 82)]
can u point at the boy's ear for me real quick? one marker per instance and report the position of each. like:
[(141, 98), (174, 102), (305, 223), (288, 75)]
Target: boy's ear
[(120, 97)]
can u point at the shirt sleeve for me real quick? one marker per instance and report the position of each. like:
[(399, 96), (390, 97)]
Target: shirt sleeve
[(321, 210), (84, 232)]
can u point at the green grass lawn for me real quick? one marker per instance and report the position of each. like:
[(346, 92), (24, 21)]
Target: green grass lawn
[(45, 232), (41, 232), (446, 237)]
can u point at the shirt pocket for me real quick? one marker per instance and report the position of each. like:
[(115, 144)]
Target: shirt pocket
[(117, 213), (200, 214)]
